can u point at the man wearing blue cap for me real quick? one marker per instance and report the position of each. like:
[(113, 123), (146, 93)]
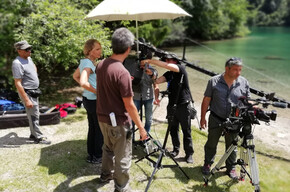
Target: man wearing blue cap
[(27, 83)]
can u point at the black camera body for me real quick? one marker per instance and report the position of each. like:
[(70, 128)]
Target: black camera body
[(252, 114), (246, 113), (249, 112)]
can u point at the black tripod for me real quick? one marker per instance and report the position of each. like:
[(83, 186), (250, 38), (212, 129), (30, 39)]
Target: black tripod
[(247, 157), (163, 151)]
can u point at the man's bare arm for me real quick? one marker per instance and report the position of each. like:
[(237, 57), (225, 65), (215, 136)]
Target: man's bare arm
[(22, 93)]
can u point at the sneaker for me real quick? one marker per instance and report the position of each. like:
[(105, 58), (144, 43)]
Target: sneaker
[(206, 169), (89, 159), (188, 159), (232, 174), (32, 137), (106, 178), (174, 153), (43, 140), (96, 160)]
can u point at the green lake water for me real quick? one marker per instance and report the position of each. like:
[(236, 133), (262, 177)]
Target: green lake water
[(265, 53)]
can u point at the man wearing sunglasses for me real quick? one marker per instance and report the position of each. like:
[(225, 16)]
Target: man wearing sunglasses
[(221, 92), (26, 79)]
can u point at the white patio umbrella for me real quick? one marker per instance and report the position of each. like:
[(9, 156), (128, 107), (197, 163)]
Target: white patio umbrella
[(138, 10)]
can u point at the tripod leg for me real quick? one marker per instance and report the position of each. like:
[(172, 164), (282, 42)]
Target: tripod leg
[(243, 161), (157, 165), (178, 166), (254, 169), (220, 163)]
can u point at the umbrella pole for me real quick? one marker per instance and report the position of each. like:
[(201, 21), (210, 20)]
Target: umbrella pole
[(137, 37)]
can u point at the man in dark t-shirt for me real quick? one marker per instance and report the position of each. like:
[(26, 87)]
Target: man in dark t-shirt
[(179, 97), (115, 108)]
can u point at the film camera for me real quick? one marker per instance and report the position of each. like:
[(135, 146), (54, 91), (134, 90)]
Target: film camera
[(242, 117), (246, 113), (132, 64), (147, 50)]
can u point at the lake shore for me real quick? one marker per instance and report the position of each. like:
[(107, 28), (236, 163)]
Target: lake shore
[(275, 135)]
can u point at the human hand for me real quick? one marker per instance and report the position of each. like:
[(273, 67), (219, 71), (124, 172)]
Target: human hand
[(143, 62), (148, 71), (28, 104), (143, 134), (203, 123), (156, 102)]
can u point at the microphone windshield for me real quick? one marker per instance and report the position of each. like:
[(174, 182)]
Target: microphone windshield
[(279, 104)]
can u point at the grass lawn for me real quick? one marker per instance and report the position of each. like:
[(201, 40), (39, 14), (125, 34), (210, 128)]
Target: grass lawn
[(61, 166)]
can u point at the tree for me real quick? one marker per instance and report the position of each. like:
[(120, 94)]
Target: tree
[(57, 30), (10, 13), (269, 12), (216, 19), (153, 31)]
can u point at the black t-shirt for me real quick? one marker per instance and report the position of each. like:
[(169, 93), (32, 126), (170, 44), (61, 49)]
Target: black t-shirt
[(173, 79)]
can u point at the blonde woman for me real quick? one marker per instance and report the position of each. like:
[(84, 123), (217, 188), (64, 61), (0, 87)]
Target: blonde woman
[(85, 75)]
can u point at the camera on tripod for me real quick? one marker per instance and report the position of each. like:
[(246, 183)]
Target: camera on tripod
[(246, 112), (147, 50), (240, 121)]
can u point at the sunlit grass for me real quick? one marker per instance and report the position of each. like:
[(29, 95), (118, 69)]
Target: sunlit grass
[(61, 166)]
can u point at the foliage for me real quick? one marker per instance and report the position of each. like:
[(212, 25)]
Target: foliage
[(287, 17), (177, 34), (10, 12), (153, 31), (270, 12), (85, 5), (216, 19), (57, 31)]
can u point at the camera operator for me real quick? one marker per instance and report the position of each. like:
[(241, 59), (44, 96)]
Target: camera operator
[(221, 92), (181, 114), (145, 90)]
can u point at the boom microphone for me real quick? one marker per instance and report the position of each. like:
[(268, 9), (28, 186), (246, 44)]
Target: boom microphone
[(279, 104), (161, 53)]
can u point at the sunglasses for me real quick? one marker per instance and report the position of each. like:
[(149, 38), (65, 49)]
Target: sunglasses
[(27, 49)]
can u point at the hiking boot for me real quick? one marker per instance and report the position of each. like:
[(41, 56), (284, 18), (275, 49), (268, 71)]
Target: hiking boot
[(106, 178), (188, 159), (174, 153), (42, 140), (206, 169), (232, 174)]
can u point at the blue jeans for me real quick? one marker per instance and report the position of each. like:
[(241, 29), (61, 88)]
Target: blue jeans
[(148, 105)]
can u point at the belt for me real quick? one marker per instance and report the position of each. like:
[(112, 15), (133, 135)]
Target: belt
[(216, 116)]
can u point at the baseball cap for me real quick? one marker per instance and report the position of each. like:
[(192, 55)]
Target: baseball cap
[(22, 45), (169, 56)]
